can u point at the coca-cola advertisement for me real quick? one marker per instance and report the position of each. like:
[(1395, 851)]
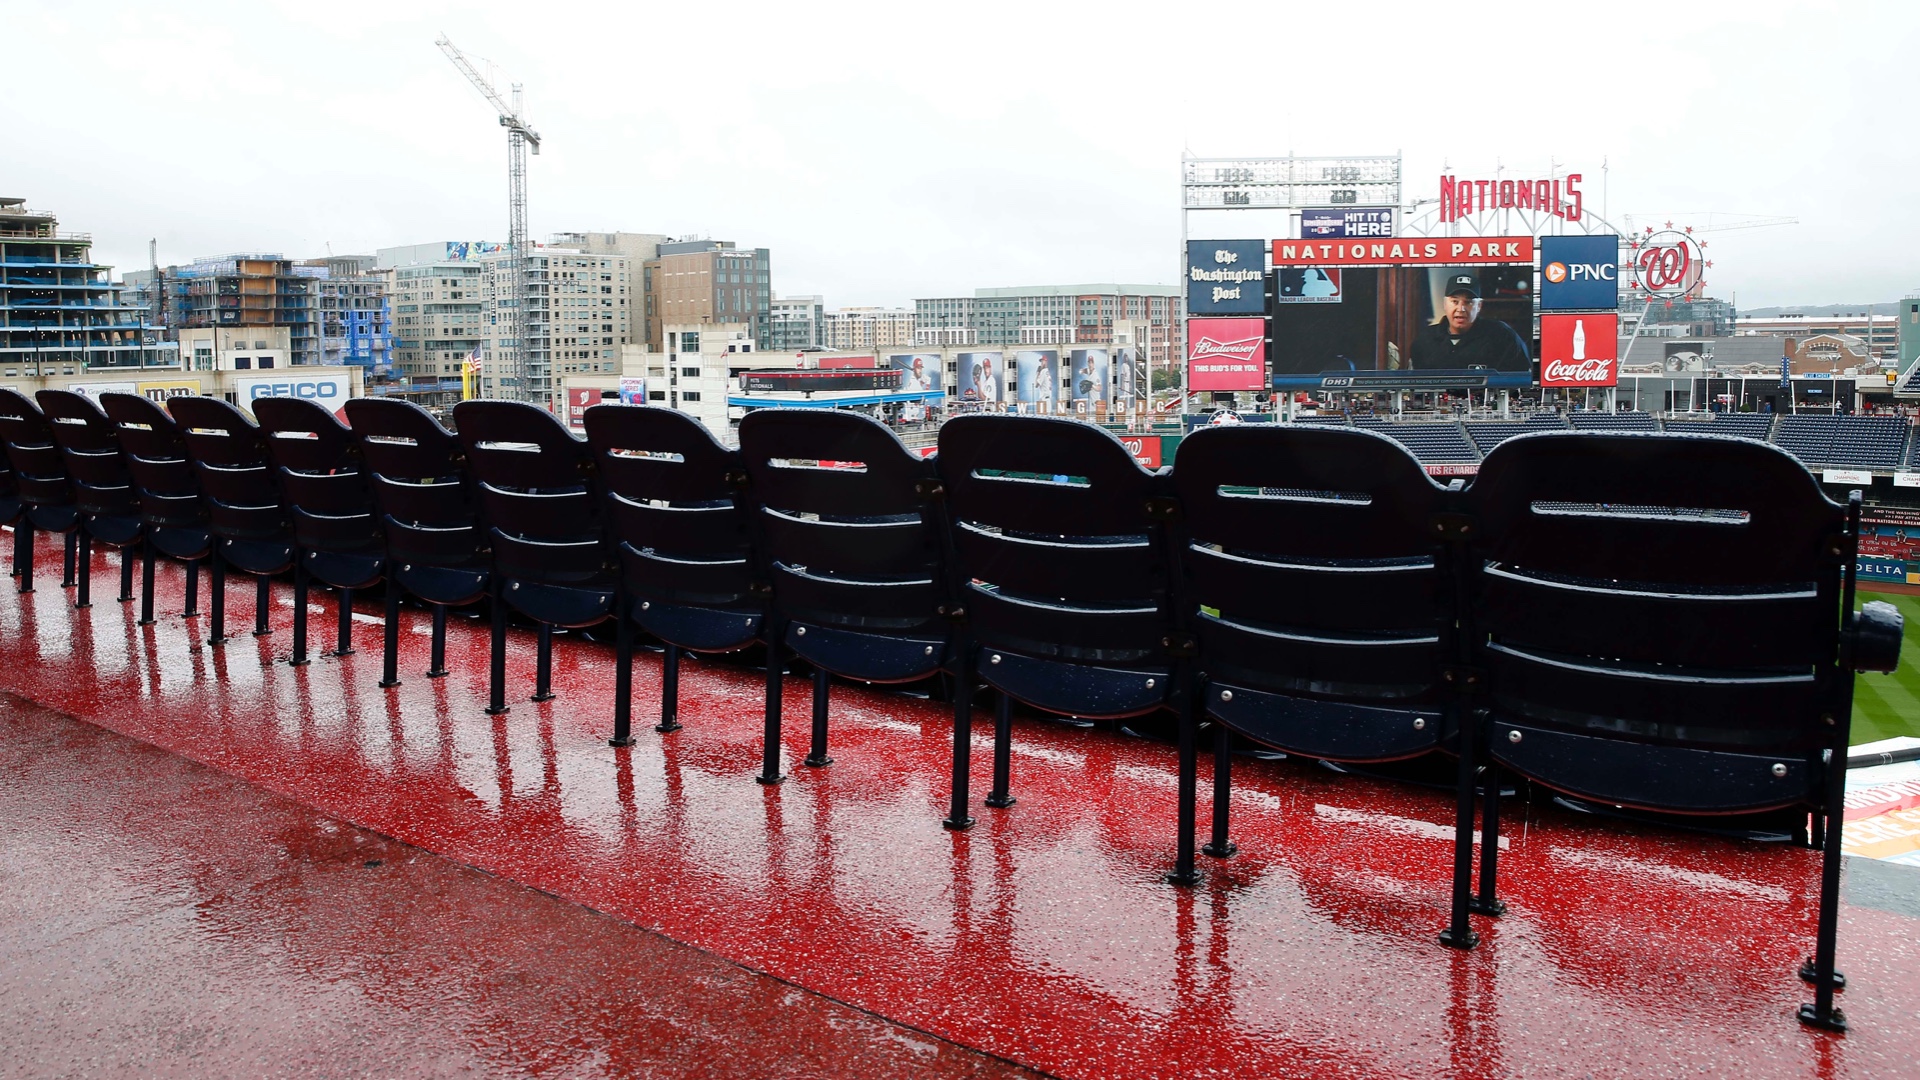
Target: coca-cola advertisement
[(1226, 354), (1579, 351)]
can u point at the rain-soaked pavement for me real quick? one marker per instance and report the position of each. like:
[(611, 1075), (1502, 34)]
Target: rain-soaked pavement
[(217, 864)]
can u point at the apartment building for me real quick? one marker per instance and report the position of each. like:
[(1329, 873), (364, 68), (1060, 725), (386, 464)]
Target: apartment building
[(440, 316), (355, 318), (449, 303), (856, 328), (636, 248), (578, 312), (708, 282), (59, 315), (253, 290)]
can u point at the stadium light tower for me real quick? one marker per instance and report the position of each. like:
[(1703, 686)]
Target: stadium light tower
[(512, 377)]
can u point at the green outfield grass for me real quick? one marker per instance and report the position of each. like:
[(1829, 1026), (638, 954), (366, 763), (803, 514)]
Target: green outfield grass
[(1888, 705)]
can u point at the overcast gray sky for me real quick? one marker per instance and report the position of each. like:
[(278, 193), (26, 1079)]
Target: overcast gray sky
[(889, 151)]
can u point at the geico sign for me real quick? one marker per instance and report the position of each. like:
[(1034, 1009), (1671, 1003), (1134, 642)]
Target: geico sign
[(1559, 272), (311, 389)]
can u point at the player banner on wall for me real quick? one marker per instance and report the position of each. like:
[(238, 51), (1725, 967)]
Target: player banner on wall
[(1226, 354)]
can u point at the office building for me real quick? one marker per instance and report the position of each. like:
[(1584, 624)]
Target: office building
[(1908, 336), (708, 282), (795, 322), (1705, 317), (701, 366), (236, 348), (1053, 315), (59, 315), (1881, 332)]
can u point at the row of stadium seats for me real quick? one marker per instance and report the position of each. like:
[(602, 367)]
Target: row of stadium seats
[(1309, 589), (1431, 444), (1860, 442), (1878, 443)]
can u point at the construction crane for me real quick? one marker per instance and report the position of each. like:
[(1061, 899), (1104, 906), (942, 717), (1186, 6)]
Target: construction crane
[(510, 377), (1727, 223)]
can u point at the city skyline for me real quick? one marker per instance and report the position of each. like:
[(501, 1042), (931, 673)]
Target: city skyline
[(886, 175)]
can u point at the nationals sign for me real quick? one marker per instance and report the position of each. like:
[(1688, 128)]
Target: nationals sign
[(1667, 265), (1414, 251), (1226, 354), (1579, 350)]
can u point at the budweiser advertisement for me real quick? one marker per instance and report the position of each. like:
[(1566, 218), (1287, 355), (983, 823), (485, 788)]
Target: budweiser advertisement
[(1412, 251), (1226, 354), (1579, 350)]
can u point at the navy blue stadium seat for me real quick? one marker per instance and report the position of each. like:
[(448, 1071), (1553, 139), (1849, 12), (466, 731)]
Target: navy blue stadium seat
[(40, 476), (102, 491), (1060, 564), (1316, 587), (252, 529), (172, 510), (540, 499), (11, 508), (1659, 624), (437, 548), (1594, 420), (846, 523), (324, 485), (686, 566)]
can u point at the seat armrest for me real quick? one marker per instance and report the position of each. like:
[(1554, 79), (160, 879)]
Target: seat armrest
[(1877, 630)]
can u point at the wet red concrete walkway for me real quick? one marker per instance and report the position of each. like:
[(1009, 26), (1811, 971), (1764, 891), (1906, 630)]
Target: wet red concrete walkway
[(1044, 936), (166, 919)]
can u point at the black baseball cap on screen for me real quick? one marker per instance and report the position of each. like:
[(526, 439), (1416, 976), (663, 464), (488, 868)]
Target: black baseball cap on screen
[(1464, 283)]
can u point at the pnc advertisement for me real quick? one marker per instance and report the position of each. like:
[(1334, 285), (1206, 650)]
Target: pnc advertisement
[(1579, 273)]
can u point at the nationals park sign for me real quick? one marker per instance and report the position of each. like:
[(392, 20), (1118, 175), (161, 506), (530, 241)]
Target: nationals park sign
[(1413, 251)]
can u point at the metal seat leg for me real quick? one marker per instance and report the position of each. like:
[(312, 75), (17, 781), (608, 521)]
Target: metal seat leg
[(669, 692)]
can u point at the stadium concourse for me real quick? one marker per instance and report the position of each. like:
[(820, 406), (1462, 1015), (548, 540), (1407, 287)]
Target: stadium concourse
[(219, 864)]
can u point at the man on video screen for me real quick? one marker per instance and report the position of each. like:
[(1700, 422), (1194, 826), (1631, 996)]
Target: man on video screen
[(1462, 339)]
